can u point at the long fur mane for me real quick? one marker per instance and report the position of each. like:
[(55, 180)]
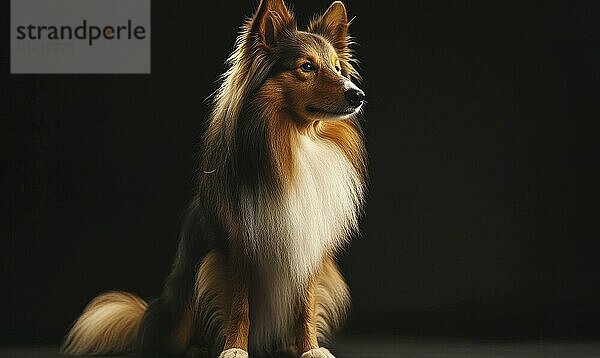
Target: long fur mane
[(245, 143)]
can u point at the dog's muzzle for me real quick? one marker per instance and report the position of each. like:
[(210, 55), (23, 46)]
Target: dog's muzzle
[(354, 95)]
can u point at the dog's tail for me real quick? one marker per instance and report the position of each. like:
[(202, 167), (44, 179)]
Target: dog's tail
[(108, 325)]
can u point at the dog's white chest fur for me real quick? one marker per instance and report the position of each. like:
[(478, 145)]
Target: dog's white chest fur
[(289, 234), (321, 207)]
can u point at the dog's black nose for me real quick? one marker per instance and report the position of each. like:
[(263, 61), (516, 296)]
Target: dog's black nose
[(355, 97)]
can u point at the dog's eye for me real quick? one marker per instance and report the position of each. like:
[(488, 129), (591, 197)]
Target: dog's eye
[(338, 69), (307, 67)]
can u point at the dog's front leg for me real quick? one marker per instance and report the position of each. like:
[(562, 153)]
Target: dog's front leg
[(306, 337), (236, 330)]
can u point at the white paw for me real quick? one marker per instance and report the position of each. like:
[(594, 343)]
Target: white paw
[(317, 353), (234, 353)]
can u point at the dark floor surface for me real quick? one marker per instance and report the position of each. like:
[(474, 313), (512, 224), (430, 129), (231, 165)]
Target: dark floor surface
[(388, 347)]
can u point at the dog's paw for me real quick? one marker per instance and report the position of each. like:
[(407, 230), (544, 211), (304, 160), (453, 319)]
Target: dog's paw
[(318, 353), (234, 353)]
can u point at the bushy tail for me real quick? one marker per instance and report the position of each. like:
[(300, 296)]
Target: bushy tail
[(108, 325)]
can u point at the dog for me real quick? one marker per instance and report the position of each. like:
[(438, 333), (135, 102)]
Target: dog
[(281, 189)]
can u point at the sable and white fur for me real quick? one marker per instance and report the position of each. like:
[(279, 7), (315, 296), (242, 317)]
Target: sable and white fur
[(321, 205), (281, 188)]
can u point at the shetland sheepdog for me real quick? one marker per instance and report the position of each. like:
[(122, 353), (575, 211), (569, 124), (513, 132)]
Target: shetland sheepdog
[(280, 192)]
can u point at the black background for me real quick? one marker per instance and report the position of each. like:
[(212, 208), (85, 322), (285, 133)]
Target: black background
[(482, 133)]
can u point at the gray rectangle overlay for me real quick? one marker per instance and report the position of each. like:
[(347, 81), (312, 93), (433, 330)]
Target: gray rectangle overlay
[(49, 36)]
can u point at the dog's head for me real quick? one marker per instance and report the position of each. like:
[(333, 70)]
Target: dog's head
[(310, 71)]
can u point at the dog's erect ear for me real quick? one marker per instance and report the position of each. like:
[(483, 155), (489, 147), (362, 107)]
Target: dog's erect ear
[(333, 25), (270, 19)]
